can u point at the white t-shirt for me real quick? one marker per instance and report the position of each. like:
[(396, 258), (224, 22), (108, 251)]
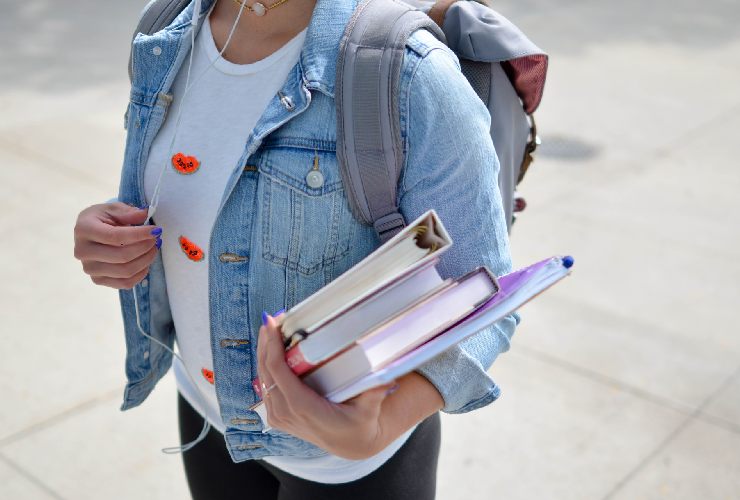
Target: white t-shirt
[(227, 98)]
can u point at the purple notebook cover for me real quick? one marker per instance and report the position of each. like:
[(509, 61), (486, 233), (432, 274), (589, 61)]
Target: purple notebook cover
[(509, 284)]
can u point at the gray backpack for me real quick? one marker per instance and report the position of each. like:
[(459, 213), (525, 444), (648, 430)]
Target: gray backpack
[(504, 67)]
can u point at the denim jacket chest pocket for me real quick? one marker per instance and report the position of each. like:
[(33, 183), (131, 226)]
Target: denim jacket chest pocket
[(306, 221)]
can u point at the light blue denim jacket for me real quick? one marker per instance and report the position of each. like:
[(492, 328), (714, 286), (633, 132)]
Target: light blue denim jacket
[(294, 239)]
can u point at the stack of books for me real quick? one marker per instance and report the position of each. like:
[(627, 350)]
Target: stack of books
[(392, 312)]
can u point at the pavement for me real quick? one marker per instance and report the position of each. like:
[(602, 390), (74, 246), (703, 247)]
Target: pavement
[(622, 382)]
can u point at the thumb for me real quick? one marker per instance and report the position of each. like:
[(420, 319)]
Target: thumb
[(371, 400), (124, 215)]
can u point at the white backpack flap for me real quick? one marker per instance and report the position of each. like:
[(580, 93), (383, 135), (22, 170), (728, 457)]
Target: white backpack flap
[(478, 33), (506, 70)]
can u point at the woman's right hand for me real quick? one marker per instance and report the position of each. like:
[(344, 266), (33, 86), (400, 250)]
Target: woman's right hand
[(113, 246)]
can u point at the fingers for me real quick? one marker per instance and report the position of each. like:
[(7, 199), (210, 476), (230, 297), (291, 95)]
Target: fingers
[(262, 355), (92, 251), (123, 270), (295, 408), (101, 232), (279, 412), (278, 369), (121, 283), (124, 215), (262, 341), (290, 401), (112, 252), (271, 396), (108, 224)]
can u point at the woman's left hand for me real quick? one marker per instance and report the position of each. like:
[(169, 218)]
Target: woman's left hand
[(351, 430)]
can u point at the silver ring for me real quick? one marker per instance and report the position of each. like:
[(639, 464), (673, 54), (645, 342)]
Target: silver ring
[(266, 390)]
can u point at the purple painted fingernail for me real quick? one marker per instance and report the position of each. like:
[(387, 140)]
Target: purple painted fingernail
[(281, 311), (156, 231), (158, 243), (264, 317), (392, 389), (143, 207)]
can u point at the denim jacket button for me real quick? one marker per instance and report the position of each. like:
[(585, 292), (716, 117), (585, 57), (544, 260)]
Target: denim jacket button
[(145, 282), (157, 51), (315, 179), (233, 342), (286, 101), (247, 421), (245, 447), (232, 257)]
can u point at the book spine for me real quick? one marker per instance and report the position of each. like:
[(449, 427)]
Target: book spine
[(297, 361)]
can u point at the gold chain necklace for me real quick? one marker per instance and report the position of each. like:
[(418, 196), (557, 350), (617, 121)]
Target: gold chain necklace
[(258, 8)]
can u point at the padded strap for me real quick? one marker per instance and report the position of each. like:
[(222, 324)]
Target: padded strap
[(369, 146)]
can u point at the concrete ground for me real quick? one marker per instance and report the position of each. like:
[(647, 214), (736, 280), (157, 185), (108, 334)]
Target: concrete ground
[(623, 382)]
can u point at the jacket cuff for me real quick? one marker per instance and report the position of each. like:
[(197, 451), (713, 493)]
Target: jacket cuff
[(459, 373), (460, 380)]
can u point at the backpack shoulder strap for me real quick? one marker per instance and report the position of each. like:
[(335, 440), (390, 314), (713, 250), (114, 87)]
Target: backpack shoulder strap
[(157, 15), (369, 146)]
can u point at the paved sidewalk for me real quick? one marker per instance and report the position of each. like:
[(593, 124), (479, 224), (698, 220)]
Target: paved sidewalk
[(622, 383)]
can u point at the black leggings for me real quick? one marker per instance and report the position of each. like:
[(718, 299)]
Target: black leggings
[(410, 474)]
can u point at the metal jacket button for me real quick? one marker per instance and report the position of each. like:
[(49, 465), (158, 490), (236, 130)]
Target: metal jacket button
[(232, 257), (233, 342), (247, 421), (287, 101), (315, 179), (244, 447)]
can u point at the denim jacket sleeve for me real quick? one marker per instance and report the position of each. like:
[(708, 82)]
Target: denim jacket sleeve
[(451, 166)]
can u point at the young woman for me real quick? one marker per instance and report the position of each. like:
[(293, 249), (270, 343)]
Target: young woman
[(241, 228)]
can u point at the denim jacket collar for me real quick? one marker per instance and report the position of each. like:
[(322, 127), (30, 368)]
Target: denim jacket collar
[(321, 48), (318, 58)]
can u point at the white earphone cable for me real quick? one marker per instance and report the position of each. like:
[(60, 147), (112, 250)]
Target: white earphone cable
[(201, 399), (155, 200), (188, 86)]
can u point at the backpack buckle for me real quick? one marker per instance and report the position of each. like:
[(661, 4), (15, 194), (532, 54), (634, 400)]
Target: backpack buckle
[(389, 225), (529, 149)]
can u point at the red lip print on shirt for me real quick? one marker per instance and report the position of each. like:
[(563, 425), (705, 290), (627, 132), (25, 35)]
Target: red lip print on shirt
[(192, 250), (208, 374), (185, 164)]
